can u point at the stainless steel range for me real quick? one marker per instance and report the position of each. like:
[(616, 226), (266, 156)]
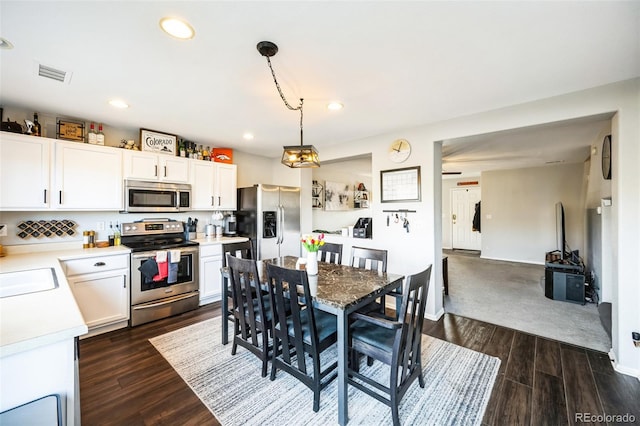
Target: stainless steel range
[(164, 269)]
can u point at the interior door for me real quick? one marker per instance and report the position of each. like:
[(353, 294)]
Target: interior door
[(463, 208)]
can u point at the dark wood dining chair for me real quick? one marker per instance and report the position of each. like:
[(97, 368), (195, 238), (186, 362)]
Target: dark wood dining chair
[(251, 310), (300, 332), (330, 253), (368, 258), (396, 343), (243, 250), (372, 259)]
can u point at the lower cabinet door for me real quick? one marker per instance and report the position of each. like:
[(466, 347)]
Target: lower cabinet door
[(210, 282), (102, 298)]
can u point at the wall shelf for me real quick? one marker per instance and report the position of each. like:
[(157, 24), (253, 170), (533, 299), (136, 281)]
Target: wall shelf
[(317, 196), (361, 200)]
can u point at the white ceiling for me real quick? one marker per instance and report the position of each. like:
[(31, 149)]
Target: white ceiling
[(563, 142), (394, 65)]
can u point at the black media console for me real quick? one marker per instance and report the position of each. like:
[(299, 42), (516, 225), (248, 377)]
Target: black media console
[(564, 280)]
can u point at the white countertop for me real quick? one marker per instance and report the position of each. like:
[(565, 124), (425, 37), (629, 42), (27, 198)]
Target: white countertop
[(205, 241), (42, 318)]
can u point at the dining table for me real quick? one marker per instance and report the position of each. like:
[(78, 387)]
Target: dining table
[(339, 290)]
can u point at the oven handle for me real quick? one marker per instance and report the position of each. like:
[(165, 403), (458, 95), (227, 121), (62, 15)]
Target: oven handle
[(165, 301), (190, 250)]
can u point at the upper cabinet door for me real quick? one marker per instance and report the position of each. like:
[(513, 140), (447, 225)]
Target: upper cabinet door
[(24, 172), (140, 165), (155, 167), (226, 185), (174, 169), (203, 174), (88, 177)]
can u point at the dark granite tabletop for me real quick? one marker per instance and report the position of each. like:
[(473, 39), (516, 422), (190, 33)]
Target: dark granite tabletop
[(339, 286)]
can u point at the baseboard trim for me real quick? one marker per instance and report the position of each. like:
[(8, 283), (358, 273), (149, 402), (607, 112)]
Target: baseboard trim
[(511, 260), (621, 368), (435, 317)]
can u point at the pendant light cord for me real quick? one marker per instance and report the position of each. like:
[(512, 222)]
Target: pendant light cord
[(299, 107)]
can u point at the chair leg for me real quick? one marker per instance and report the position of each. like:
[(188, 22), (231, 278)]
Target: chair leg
[(394, 406), (394, 413), (236, 330), (354, 360), (276, 344), (265, 351)]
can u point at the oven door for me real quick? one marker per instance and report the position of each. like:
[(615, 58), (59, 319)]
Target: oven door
[(144, 289)]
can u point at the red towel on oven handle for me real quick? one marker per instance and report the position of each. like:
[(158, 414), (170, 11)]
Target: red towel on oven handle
[(163, 271), (163, 266)]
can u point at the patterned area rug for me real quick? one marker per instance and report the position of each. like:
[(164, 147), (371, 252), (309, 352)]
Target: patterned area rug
[(458, 384)]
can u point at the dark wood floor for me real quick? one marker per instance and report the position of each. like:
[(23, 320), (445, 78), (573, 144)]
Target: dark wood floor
[(125, 381)]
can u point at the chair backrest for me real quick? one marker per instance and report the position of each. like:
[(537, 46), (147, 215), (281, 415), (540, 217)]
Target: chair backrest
[(248, 303), (330, 253), (406, 347), (377, 259), (289, 288), (243, 250)]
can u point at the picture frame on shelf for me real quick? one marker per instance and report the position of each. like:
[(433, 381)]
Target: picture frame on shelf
[(158, 142), (400, 185), (70, 130)]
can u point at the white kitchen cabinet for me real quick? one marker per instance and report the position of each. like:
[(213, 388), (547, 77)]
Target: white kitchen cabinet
[(213, 185), (100, 286), (210, 264), (203, 174), (226, 183), (87, 177), (25, 172), (155, 167)]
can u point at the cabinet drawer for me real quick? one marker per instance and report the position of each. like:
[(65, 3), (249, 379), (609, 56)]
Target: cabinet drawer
[(211, 250), (95, 264)]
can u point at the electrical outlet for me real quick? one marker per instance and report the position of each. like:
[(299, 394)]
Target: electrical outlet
[(3, 229), (100, 226)]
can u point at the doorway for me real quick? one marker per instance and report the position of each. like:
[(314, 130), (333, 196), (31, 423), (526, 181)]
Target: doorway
[(463, 208)]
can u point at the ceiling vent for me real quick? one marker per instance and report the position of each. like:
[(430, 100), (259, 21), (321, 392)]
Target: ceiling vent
[(53, 73)]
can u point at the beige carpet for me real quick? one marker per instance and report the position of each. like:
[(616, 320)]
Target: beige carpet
[(458, 385), (511, 294)]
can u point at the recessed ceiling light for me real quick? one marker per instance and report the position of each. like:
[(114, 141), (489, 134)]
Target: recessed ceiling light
[(5, 44), (335, 106), (247, 136), (177, 28), (118, 103)]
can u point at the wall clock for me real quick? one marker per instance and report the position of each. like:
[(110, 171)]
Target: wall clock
[(399, 150), (606, 157)]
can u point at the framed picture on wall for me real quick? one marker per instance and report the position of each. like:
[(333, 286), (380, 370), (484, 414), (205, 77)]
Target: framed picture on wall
[(400, 185)]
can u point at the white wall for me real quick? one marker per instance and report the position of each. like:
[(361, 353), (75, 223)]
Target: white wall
[(519, 215)]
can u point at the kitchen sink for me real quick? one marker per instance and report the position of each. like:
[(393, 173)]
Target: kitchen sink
[(29, 281)]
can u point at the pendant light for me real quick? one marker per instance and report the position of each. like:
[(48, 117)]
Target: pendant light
[(294, 156)]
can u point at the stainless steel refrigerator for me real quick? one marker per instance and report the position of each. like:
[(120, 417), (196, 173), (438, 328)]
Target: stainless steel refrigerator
[(270, 216)]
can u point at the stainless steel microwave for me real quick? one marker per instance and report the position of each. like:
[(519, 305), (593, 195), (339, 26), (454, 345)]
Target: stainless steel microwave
[(151, 197)]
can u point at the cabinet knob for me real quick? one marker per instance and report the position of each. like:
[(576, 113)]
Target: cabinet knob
[(99, 264)]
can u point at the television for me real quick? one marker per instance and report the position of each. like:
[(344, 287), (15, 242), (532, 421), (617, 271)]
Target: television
[(561, 241)]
